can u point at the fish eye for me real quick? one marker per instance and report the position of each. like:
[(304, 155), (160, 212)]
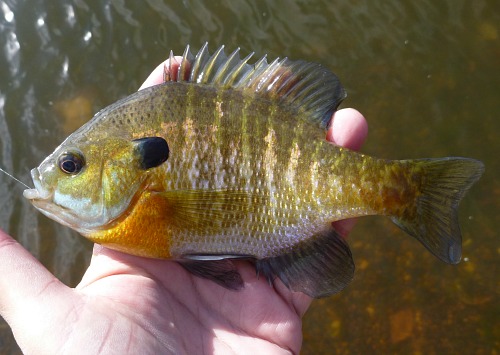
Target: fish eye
[(71, 163)]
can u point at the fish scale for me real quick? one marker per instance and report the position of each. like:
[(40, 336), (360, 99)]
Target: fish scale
[(227, 160), (315, 183)]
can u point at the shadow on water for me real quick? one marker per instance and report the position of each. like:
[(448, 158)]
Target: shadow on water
[(425, 75)]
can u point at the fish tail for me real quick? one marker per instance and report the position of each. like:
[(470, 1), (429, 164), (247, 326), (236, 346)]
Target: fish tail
[(433, 217)]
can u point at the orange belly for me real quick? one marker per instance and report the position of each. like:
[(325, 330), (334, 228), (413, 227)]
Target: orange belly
[(144, 231)]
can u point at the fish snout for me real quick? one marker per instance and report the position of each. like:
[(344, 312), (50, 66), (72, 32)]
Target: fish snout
[(39, 192)]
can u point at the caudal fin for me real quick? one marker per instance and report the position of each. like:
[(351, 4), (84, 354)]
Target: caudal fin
[(434, 220)]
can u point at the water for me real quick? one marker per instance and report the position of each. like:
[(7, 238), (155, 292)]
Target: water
[(425, 74)]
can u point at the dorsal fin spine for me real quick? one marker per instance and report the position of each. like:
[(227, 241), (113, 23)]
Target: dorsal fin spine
[(227, 68), (259, 67), (308, 88), (199, 63), (267, 75), (241, 72), (167, 72), (213, 64), (184, 71), (240, 68)]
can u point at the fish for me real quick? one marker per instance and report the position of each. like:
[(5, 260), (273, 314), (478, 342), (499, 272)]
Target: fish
[(227, 160)]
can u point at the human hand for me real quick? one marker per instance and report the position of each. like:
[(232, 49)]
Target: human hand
[(128, 304)]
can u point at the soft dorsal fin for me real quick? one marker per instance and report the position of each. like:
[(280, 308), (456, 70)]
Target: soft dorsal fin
[(308, 87)]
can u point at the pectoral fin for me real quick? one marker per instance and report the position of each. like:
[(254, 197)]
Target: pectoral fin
[(209, 209), (319, 266)]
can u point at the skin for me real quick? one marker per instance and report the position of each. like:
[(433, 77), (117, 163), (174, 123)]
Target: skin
[(128, 304)]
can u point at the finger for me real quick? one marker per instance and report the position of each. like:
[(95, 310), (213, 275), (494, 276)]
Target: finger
[(107, 262), (156, 77), (348, 128), (22, 279)]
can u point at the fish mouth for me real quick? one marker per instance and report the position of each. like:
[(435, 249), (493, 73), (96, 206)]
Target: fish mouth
[(39, 192), (41, 199)]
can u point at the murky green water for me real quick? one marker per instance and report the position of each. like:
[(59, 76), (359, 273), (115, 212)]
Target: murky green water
[(426, 75)]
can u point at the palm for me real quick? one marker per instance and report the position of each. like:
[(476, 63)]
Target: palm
[(140, 304)]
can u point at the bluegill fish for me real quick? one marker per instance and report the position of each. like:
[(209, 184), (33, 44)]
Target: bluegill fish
[(227, 160)]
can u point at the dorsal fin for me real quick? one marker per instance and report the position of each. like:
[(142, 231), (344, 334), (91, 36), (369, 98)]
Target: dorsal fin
[(308, 87)]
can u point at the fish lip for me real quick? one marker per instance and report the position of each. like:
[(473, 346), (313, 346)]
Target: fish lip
[(41, 198), (38, 192)]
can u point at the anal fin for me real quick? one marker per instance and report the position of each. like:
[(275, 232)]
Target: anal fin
[(319, 266)]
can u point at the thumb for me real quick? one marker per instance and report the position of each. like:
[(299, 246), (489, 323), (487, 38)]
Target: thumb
[(23, 280)]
